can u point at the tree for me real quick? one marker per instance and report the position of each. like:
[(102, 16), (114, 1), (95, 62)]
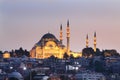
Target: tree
[(91, 65), (98, 66), (26, 53), (1, 52), (98, 52), (87, 52), (71, 56), (12, 53), (108, 53), (52, 57), (65, 56), (21, 51)]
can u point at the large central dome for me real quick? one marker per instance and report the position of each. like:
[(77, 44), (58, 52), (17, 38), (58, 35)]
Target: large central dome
[(48, 36)]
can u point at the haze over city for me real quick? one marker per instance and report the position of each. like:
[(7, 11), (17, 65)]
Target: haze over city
[(24, 22)]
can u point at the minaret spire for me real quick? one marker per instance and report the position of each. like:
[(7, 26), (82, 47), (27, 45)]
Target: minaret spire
[(68, 23), (68, 37), (95, 43), (87, 41), (61, 34)]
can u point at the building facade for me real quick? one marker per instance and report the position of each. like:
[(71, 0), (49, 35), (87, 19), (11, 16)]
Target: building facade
[(49, 45)]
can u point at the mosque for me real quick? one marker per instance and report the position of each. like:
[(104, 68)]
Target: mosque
[(49, 45)]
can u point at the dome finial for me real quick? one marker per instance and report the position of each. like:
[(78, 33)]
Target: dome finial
[(48, 31)]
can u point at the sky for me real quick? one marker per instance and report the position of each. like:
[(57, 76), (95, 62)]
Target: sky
[(24, 22)]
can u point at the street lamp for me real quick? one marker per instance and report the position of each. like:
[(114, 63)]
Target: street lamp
[(24, 68), (76, 68), (11, 67)]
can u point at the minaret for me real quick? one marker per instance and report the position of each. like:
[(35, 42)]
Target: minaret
[(61, 34), (87, 41), (68, 37), (95, 42)]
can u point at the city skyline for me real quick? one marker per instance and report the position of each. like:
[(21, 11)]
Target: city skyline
[(23, 23)]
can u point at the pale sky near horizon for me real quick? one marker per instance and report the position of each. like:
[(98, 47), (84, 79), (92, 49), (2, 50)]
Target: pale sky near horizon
[(24, 22)]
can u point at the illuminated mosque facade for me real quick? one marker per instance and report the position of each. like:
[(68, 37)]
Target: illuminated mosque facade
[(49, 45)]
